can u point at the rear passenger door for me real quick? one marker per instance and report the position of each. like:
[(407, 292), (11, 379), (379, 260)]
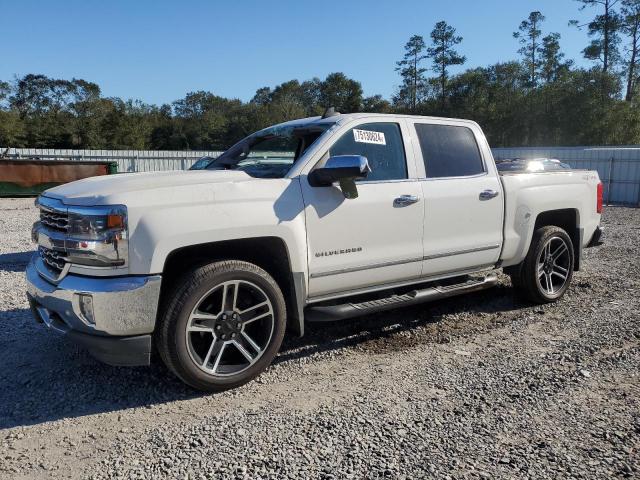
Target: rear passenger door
[(463, 198)]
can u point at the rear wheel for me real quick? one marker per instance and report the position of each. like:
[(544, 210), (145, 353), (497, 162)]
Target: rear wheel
[(546, 272), (223, 325)]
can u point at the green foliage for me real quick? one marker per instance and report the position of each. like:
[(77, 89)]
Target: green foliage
[(604, 31), (412, 73), (12, 129), (528, 35), (376, 104), (341, 92), (443, 55), (552, 63), (38, 111), (5, 91), (631, 29)]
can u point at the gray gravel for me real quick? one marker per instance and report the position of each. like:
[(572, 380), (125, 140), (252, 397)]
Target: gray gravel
[(482, 386)]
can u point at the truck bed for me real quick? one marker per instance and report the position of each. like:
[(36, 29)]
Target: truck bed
[(527, 194)]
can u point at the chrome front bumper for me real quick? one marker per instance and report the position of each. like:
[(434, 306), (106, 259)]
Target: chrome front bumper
[(124, 311)]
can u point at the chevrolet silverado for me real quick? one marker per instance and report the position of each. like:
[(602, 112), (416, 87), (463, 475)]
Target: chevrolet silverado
[(317, 219)]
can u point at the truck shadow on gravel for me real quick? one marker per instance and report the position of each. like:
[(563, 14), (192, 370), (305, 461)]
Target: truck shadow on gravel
[(45, 378), (400, 329), (15, 262)]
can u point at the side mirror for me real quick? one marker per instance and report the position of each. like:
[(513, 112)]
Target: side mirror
[(345, 169)]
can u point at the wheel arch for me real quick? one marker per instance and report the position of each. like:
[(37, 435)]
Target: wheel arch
[(269, 253), (569, 220)]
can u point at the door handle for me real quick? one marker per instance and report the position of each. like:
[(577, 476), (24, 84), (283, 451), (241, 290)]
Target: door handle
[(488, 194), (404, 200)]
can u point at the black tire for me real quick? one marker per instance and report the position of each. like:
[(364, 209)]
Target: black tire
[(176, 346), (526, 277)]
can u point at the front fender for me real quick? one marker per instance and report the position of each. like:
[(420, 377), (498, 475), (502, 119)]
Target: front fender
[(265, 208)]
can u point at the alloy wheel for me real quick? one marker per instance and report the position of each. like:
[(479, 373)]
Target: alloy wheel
[(554, 263), (230, 328)]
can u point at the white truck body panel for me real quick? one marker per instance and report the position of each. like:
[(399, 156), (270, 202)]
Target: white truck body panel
[(527, 195), (385, 242), (171, 210), (461, 232)]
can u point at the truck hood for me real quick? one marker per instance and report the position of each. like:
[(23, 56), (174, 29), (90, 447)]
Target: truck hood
[(99, 190)]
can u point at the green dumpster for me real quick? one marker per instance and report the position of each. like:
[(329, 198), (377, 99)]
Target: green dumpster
[(30, 177)]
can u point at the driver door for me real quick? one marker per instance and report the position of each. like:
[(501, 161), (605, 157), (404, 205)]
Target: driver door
[(374, 239)]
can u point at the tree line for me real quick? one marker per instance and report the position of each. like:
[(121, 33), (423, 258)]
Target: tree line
[(541, 98)]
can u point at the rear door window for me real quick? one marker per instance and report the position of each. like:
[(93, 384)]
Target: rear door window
[(449, 151), (381, 143)]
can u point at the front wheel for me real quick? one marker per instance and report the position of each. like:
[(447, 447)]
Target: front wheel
[(546, 272), (223, 325)]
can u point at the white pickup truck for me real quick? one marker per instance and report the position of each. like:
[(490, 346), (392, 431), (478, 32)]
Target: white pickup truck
[(314, 219)]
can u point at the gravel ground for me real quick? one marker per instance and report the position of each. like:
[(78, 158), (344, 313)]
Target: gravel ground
[(482, 386)]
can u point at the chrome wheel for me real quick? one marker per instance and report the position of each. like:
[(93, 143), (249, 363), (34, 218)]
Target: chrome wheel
[(554, 264), (230, 328)]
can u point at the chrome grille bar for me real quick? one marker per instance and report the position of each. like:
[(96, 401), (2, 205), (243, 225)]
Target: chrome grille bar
[(53, 216), (55, 220), (53, 259)]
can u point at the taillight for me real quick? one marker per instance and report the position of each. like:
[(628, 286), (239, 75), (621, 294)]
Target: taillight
[(599, 200)]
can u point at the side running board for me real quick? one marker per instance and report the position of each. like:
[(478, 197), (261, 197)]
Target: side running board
[(331, 313)]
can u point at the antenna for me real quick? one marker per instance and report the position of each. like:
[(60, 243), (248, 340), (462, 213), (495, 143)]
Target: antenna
[(330, 112)]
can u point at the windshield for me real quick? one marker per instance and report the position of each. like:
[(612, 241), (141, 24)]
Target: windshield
[(269, 153), (201, 164)]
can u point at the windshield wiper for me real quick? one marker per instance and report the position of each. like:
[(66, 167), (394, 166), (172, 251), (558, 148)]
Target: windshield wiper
[(221, 166)]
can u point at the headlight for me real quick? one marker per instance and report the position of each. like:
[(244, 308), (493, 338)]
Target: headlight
[(95, 226), (98, 236)]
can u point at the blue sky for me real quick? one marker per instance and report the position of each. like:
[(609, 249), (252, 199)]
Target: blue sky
[(157, 51)]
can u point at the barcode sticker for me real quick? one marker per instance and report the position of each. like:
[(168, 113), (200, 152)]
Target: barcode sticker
[(367, 136)]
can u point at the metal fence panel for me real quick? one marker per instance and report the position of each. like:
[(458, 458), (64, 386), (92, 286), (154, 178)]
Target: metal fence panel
[(618, 167), (128, 160)]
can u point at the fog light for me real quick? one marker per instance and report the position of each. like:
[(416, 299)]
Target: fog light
[(86, 307)]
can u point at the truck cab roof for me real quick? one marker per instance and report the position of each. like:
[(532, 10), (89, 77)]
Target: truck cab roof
[(345, 117)]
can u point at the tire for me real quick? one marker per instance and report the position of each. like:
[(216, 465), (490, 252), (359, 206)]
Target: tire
[(550, 259), (223, 325)]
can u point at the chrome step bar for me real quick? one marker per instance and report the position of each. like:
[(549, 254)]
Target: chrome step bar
[(329, 313)]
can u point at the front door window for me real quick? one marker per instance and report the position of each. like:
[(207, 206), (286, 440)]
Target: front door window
[(381, 143)]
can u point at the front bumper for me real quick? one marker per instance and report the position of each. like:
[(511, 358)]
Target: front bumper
[(124, 312)]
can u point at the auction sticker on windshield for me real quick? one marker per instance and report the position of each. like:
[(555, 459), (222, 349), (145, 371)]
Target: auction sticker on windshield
[(367, 136)]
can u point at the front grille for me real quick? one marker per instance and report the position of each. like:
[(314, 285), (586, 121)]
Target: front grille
[(55, 220), (53, 259)]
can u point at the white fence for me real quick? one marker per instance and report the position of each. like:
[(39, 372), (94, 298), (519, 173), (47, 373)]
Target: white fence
[(618, 167), (127, 160)]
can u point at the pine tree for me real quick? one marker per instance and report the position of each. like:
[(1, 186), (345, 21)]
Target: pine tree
[(605, 29), (631, 28), (443, 54), (529, 36), (552, 62), (411, 71)]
